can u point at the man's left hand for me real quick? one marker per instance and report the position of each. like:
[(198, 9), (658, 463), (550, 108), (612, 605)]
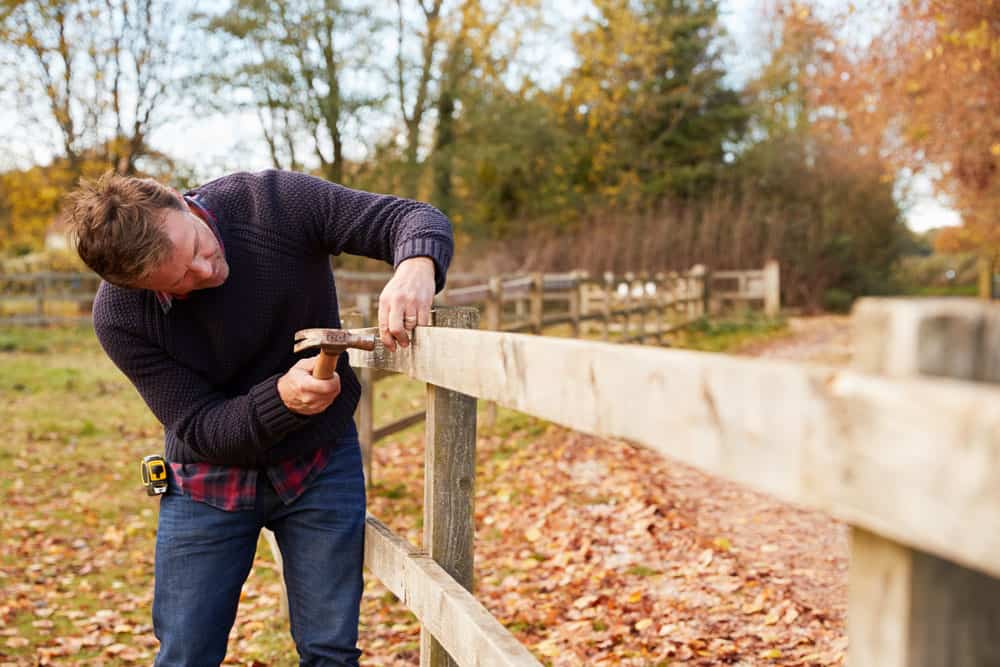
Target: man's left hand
[(405, 301)]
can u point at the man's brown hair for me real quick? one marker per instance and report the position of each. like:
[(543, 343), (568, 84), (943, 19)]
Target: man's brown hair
[(116, 222)]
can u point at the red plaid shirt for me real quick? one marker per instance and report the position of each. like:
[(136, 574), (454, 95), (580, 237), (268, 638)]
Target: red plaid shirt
[(227, 487), (233, 489)]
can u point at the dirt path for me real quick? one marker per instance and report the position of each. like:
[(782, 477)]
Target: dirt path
[(824, 340)]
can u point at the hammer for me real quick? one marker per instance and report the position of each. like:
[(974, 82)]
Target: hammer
[(331, 343)]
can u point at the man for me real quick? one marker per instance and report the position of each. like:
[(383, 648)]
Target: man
[(202, 295)]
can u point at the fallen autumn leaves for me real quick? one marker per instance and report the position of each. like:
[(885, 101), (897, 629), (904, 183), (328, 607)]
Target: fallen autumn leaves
[(591, 552)]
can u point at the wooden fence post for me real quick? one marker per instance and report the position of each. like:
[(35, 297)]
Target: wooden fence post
[(908, 608), (366, 405), (272, 543), (627, 318), (41, 286), (772, 288), (574, 304), (702, 291), (494, 322), (449, 477), (537, 301), (658, 307), (643, 306), (609, 292), (986, 266)]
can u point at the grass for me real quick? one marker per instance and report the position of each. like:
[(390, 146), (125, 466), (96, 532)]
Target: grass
[(732, 333), (944, 290), (79, 531)]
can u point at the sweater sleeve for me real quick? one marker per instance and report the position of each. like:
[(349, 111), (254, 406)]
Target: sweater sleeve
[(382, 227), (215, 428)]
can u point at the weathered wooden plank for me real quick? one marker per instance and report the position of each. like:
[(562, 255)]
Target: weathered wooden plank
[(467, 295), (272, 543), (556, 320), (520, 285), (463, 626), (737, 275), (908, 608), (449, 481), (398, 425), (518, 325), (821, 437), (736, 296), (364, 414), (772, 288)]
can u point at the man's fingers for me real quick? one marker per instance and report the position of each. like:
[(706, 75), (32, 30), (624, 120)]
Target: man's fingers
[(307, 363), (383, 323), (303, 393), (396, 328)]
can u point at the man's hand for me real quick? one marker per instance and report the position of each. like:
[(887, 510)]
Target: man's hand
[(304, 394), (406, 301)]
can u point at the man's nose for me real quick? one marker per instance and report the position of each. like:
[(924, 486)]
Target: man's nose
[(201, 267)]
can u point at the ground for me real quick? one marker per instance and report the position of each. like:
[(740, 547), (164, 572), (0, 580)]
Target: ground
[(592, 552)]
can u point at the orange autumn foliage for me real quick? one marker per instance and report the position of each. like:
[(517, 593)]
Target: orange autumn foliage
[(926, 94)]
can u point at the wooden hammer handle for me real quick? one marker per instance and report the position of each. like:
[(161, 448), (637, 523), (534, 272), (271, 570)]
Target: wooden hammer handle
[(326, 364)]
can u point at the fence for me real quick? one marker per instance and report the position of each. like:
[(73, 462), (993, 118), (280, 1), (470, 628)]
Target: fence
[(621, 303), (631, 308), (46, 298), (905, 448), (745, 287)]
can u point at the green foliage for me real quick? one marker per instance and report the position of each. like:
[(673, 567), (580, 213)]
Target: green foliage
[(939, 274), (649, 101), (837, 300), (825, 212), (514, 168)]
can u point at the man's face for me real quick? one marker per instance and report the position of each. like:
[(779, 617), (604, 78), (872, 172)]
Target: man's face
[(196, 262)]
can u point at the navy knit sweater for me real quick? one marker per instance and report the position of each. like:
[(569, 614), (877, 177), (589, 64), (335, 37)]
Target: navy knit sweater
[(208, 368)]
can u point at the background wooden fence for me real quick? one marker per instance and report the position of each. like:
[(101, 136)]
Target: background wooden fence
[(911, 462), (626, 305), (46, 298)]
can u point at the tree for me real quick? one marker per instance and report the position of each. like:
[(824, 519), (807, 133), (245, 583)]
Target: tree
[(649, 98), (31, 199), (926, 93), (101, 72), (456, 40), (413, 82), (824, 199), (510, 177), (290, 61)]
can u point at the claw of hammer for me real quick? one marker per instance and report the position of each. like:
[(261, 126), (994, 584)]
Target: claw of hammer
[(331, 344)]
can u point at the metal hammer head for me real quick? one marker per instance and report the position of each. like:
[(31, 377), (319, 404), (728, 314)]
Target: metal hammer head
[(332, 341)]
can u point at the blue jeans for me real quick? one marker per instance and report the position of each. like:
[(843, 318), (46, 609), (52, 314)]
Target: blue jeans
[(204, 554)]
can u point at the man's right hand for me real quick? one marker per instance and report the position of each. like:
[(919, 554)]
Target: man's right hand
[(304, 394)]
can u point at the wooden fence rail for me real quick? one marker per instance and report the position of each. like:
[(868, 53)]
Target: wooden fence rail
[(635, 307), (632, 305), (911, 463), (46, 298)]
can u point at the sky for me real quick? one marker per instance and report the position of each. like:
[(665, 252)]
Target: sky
[(214, 143)]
